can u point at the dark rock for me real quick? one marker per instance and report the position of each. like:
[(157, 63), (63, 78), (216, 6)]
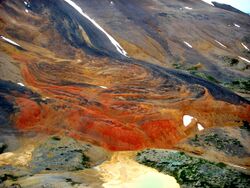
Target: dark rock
[(227, 7), (3, 147), (12, 173)]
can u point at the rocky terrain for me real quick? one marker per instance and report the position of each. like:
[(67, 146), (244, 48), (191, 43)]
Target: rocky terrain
[(82, 81)]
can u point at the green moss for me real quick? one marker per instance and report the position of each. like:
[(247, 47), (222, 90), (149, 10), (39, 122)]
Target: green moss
[(204, 76), (177, 66), (85, 161), (239, 84), (233, 61), (221, 142), (60, 153), (193, 171), (5, 177), (73, 183), (193, 68), (230, 60), (15, 185), (56, 138)]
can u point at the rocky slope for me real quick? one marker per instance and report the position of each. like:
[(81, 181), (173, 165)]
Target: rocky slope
[(125, 75)]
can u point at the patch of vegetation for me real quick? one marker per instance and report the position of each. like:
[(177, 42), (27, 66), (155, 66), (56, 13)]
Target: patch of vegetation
[(15, 185), (3, 147), (245, 126), (221, 142), (177, 66), (230, 60), (85, 160), (59, 154), (194, 67), (71, 182), (238, 85), (5, 177), (233, 61), (205, 76), (55, 138), (194, 70), (11, 173), (193, 171)]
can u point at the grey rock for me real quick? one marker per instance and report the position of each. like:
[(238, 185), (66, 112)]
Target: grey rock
[(66, 154)]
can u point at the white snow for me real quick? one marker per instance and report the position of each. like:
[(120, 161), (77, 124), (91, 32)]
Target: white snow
[(103, 87), (236, 25), (9, 41), (245, 46), (220, 43), (189, 45), (209, 2), (187, 119), (244, 59), (25, 2), (112, 40), (21, 84), (188, 8), (200, 127)]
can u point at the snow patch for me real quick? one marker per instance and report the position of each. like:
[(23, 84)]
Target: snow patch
[(236, 25), (188, 8), (209, 2), (112, 40), (220, 43), (103, 87), (189, 45), (187, 119), (9, 41), (21, 84), (244, 59), (200, 127), (245, 46)]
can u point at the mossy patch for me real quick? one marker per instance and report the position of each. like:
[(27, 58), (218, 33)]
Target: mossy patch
[(205, 76), (231, 60), (239, 85), (234, 62), (195, 70), (12, 173), (245, 126), (221, 142), (177, 66), (193, 171), (72, 182), (58, 154)]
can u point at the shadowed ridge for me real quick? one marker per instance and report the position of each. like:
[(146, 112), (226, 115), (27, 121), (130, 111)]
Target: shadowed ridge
[(218, 92), (227, 7)]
